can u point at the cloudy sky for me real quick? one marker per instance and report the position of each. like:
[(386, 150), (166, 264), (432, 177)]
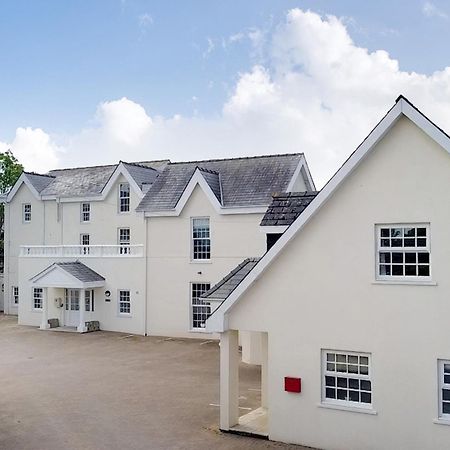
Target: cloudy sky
[(94, 82)]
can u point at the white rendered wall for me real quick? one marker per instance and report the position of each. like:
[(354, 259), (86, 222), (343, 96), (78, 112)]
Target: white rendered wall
[(320, 293), (170, 269)]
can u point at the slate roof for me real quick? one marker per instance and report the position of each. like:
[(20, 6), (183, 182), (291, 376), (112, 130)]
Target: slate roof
[(213, 180), (80, 271), (286, 207), (228, 284), (141, 174), (244, 181), (39, 182)]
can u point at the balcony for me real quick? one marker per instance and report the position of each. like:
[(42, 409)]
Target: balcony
[(85, 251)]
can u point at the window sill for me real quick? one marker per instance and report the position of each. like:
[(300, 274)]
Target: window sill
[(124, 316), (441, 421), (200, 261), (407, 282), (37, 310), (348, 408), (199, 330)]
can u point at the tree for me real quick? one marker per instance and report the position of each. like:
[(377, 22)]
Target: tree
[(10, 171)]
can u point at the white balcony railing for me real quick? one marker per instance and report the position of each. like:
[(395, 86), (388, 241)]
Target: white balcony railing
[(89, 251)]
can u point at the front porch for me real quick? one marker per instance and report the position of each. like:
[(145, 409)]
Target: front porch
[(256, 422), (65, 292)]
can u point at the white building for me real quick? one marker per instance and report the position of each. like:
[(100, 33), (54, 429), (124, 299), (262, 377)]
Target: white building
[(133, 246), (352, 303)]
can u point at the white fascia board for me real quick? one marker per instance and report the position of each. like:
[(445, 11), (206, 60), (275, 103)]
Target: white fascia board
[(96, 198), (273, 229), (22, 179), (218, 321), (298, 172), (121, 170)]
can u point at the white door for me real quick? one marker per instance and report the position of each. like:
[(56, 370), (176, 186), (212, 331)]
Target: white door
[(72, 308)]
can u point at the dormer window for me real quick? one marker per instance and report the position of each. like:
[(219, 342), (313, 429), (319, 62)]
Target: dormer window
[(124, 197), (403, 252), (26, 211)]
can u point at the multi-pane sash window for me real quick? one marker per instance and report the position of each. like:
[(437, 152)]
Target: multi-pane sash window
[(15, 292), (346, 378), (201, 239), (84, 241), (27, 212), (403, 251), (89, 300), (124, 302), (124, 241), (85, 212), (124, 197), (38, 295), (201, 310), (444, 389)]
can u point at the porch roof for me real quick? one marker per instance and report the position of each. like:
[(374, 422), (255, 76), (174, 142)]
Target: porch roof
[(68, 275)]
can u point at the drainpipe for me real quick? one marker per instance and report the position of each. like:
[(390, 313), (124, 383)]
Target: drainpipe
[(146, 274)]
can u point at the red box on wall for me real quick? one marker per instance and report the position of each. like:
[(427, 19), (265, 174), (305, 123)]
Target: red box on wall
[(292, 384)]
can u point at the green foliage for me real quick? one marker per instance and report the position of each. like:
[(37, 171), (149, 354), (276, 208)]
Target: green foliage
[(10, 170)]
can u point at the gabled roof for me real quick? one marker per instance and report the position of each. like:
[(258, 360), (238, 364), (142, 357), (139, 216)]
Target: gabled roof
[(213, 180), (244, 182), (69, 275), (80, 271), (218, 321), (286, 207), (228, 284), (141, 174), (39, 182)]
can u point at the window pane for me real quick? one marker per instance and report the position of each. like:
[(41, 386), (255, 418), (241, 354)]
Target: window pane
[(397, 270), (410, 270), (354, 396), (385, 270), (365, 385), (421, 242), (353, 383), (363, 370), (366, 397), (352, 359), (446, 394), (342, 394), (410, 257), (409, 232), (424, 271), (385, 257), (330, 381), (330, 393), (446, 408), (397, 258), (446, 368), (423, 258), (421, 231), (396, 232), (331, 357), (396, 242), (384, 232)]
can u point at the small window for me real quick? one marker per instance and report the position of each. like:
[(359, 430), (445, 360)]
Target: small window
[(201, 309), (124, 241), (346, 379), (38, 295), (27, 212), (403, 251), (124, 302), (444, 389), (89, 300), (124, 197), (84, 241), (201, 239), (15, 294), (85, 212)]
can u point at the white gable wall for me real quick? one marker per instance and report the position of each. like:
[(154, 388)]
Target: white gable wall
[(170, 269), (320, 293)]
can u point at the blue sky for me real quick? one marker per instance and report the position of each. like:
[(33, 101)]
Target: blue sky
[(62, 59)]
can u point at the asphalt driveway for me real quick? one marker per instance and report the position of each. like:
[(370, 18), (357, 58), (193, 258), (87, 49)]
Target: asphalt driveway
[(114, 391)]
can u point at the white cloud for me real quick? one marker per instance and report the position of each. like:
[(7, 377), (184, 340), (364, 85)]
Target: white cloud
[(34, 149), (431, 10), (210, 48), (318, 92)]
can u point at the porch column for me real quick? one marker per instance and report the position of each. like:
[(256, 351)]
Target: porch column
[(229, 379), (44, 318), (264, 369), (82, 305)]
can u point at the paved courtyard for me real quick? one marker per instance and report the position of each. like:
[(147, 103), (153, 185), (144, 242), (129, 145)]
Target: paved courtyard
[(114, 391)]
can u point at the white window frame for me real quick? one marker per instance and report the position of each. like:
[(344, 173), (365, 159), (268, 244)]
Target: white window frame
[(325, 372), (85, 247), (124, 244), (15, 295), (443, 385), (125, 198), (26, 215), (85, 213), (403, 250), (34, 298), (193, 258), (191, 302), (89, 304), (119, 301)]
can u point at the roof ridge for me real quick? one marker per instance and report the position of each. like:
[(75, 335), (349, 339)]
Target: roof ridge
[(275, 155), (135, 164), (39, 174), (214, 172), (295, 194)]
